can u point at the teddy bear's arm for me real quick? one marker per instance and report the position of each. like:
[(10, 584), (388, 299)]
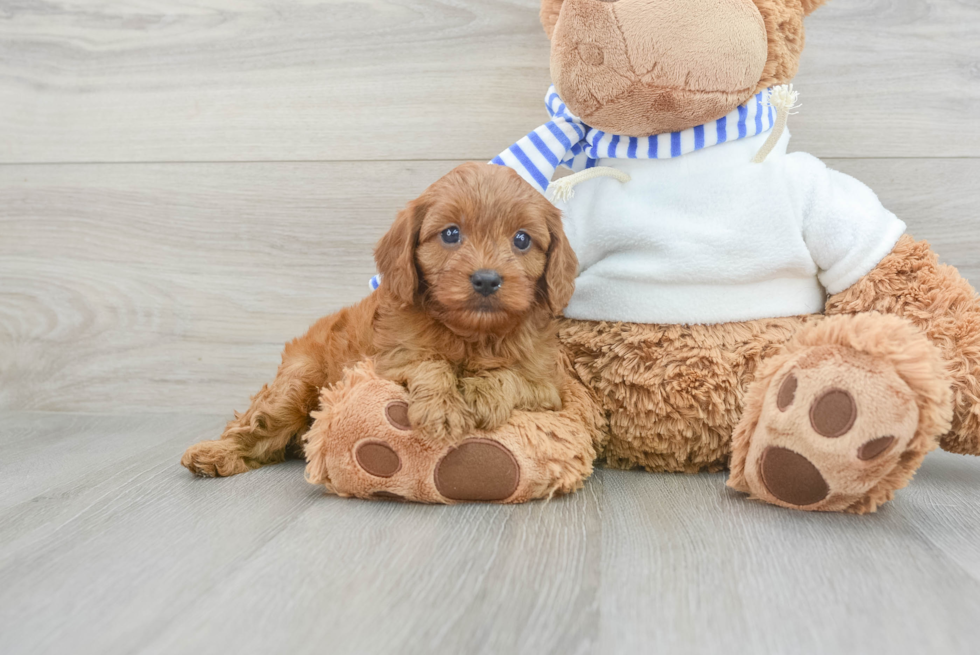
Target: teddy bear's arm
[(844, 225)]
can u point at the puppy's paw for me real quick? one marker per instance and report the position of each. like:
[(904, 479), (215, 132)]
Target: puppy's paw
[(210, 459), (549, 398), (489, 404), (444, 418)]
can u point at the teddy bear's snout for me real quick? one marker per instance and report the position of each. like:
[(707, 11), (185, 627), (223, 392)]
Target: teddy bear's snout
[(635, 67)]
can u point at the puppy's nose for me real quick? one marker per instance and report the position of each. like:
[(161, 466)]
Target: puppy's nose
[(485, 281)]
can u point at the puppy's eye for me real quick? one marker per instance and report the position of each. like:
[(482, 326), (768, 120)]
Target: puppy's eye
[(522, 240), (450, 235)]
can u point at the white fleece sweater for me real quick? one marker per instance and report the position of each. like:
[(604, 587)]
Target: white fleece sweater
[(709, 237)]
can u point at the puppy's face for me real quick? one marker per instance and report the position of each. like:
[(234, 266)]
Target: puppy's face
[(485, 249)]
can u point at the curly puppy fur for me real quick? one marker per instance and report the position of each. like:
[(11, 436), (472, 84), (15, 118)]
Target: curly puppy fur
[(887, 339), (467, 360)]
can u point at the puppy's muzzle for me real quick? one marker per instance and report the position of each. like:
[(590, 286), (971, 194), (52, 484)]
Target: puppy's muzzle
[(486, 282)]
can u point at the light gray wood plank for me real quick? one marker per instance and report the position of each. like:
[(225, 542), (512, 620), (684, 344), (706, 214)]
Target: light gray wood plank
[(100, 561), (138, 556), (196, 273), (392, 578), (150, 287), (890, 78), (943, 503), (142, 557), (47, 451), (688, 566), (152, 80)]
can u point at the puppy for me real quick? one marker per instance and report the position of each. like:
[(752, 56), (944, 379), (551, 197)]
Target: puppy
[(472, 273)]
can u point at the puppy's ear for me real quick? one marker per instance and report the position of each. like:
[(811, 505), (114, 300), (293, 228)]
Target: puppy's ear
[(549, 15), (395, 252), (562, 265)]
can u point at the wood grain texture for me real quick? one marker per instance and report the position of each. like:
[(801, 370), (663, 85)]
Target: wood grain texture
[(248, 80), (149, 287), (139, 556), (725, 573), (142, 301), (116, 549)]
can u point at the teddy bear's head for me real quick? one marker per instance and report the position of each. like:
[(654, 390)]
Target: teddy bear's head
[(643, 67)]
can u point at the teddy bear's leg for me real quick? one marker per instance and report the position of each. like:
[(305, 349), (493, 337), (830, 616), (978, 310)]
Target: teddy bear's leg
[(842, 417), (672, 393), (910, 282), (361, 444)]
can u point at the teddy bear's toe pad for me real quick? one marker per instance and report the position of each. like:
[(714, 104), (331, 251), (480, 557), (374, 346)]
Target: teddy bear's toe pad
[(833, 413), (397, 414), (791, 477), (377, 458), (875, 448), (478, 469)]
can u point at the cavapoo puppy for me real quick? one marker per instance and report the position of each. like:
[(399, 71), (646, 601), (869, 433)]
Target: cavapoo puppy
[(472, 273)]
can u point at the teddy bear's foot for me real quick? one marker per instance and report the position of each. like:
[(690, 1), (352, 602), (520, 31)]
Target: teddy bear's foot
[(911, 283), (361, 444), (843, 417)]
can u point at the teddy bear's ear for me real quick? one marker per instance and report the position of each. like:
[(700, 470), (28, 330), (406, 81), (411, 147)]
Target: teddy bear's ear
[(549, 15), (808, 6)]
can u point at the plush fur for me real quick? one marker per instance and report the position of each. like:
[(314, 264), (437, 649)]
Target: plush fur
[(638, 67), (673, 393), (467, 360)]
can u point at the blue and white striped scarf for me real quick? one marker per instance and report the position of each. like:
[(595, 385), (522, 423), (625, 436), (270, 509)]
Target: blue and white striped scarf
[(567, 141)]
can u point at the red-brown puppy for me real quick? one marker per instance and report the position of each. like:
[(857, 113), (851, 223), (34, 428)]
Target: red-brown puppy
[(473, 272)]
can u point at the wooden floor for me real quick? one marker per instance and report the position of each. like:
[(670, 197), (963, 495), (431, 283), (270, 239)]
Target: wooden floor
[(186, 185)]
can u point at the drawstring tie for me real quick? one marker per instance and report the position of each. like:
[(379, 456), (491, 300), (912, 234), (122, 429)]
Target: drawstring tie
[(783, 99), (563, 188)]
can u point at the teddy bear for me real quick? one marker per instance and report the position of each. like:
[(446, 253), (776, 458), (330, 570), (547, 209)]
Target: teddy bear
[(736, 306), (764, 314)]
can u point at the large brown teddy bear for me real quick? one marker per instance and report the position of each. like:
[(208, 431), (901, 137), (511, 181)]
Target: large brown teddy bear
[(736, 306), (821, 412)]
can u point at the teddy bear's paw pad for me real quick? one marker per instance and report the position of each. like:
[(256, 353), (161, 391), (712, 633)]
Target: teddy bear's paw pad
[(791, 477), (830, 430), (387, 495), (377, 458), (833, 414), (478, 470), (875, 448), (396, 412)]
